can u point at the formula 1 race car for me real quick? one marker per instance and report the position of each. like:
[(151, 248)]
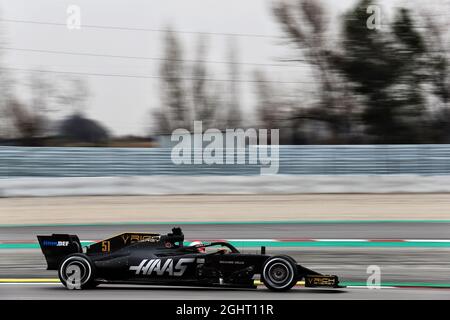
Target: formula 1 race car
[(146, 258)]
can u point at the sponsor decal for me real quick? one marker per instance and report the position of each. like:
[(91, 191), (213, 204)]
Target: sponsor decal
[(230, 262), (106, 246), (320, 281), (131, 238), (50, 243), (162, 267)]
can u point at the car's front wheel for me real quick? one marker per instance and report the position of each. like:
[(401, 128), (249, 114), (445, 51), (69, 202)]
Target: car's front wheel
[(279, 273), (77, 271)]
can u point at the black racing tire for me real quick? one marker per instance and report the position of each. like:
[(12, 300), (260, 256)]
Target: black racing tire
[(77, 271), (279, 273)]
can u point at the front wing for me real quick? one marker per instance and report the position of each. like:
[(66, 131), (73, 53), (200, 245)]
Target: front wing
[(316, 279), (321, 281)]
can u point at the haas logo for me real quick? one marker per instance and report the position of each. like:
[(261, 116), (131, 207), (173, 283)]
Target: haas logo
[(161, 267)]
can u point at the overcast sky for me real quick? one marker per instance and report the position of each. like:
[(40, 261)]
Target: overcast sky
[(123, 104)]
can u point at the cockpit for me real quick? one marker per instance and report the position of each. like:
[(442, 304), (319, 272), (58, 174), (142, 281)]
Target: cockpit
[(177, 238), (218, 247)]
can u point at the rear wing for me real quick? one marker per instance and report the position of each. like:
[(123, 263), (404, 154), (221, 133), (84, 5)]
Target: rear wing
[(58, 246)]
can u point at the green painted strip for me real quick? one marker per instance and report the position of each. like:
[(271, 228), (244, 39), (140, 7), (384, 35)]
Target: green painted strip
[(19, 245), (256, 222), (399, 284), (282, 244)]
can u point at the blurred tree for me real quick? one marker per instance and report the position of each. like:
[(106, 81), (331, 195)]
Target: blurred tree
[(188, 95), (7, 123), (440, 126), (268, 107), (389, 68), (305, 23), (28, 124), (437, 39), (206, 96), (274, 108), (233, 116), (73, 93), (30, 121), (80, 129), (7, 127), (174, 112), (41, 89)]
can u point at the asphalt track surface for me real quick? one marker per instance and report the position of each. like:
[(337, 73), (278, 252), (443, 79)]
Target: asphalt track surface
[(111, 292), (412, 266)]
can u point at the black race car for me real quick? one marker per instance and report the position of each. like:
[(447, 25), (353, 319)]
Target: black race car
[(147, 258)]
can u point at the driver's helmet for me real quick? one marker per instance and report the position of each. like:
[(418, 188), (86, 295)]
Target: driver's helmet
[(195, 243)]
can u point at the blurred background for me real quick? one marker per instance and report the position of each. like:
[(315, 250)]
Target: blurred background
[(90, 92), (137, 70)]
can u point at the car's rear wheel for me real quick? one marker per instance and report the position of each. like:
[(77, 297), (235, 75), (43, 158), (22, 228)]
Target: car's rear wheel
[(279, 273), (77, 271)]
